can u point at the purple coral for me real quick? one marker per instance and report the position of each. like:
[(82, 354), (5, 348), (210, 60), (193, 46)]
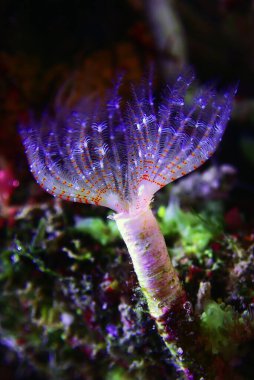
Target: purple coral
[(119, 159)]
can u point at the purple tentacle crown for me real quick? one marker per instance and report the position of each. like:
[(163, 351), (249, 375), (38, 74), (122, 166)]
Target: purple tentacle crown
[(122, 156)]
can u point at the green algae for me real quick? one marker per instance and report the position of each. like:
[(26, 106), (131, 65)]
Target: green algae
[(217, 322), (192, 231)]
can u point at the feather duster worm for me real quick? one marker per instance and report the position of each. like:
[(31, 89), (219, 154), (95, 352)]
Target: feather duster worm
[(120, 157)]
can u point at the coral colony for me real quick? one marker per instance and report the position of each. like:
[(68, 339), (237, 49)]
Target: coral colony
[(119, 158)]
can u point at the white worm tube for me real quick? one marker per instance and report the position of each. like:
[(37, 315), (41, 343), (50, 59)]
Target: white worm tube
[(156, 274)]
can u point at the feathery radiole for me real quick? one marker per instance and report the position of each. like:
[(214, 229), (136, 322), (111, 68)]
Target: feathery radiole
[(121, 156)]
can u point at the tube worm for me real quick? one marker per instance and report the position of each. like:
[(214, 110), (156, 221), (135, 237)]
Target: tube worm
[(119, 158)]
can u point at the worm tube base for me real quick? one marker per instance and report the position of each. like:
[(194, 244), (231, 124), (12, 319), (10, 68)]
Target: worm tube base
[(146, 245), (162, 288)]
